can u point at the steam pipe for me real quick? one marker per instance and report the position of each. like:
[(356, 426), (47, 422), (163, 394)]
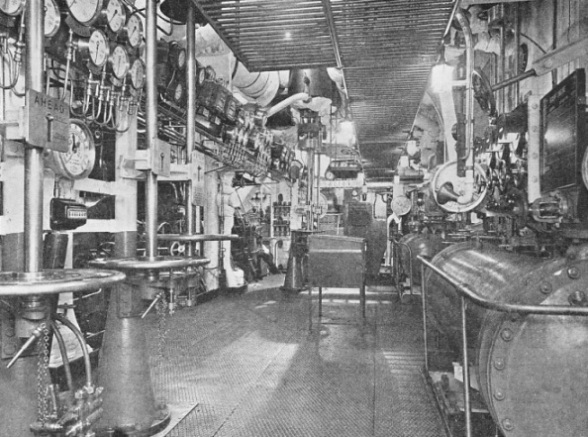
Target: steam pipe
[(33, 184), (80, 337), (469, 109), (63, 351), (151, 126), (287, 102)]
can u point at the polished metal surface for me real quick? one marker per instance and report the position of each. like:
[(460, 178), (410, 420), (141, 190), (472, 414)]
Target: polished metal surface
[(256, 371), (144, 263), (56, 281), (33, 183), (151, 96), (528, 365), (198, 237), (427, 245), (386, 50)]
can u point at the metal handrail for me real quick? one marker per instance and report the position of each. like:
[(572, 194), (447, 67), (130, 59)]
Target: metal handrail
[(465, 293)]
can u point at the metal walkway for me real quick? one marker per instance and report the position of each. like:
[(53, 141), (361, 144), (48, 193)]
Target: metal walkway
[(252, 367)]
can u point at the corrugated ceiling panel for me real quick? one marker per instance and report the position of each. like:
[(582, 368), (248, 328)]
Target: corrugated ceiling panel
[(386, 47)]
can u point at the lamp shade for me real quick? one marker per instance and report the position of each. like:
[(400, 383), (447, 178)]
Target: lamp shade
[(177, 10)]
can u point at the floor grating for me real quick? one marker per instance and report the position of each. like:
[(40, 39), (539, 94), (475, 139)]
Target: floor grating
[(254, 368)]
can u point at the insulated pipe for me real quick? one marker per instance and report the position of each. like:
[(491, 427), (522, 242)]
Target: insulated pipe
[(151, 126), (287, 102), (33, 185)]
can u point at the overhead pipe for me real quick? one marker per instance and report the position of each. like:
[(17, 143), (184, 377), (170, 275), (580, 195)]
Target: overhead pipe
[(151, 127)]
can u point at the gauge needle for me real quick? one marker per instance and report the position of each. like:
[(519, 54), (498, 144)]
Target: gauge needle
[(74, 146)]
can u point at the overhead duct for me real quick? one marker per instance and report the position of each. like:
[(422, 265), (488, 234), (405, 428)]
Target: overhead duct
[(259, 87)]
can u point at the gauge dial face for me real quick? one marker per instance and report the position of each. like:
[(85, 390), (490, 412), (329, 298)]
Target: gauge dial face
[(119, 61), (116, 15), (181, 58), (99, 48), (179, 92), (137, 74), (11, 7), (78, 162), (134, 28), (52, 18), (85, 11), (201, 76)]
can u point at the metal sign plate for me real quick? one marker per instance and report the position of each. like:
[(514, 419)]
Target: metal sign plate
[(46, 122)]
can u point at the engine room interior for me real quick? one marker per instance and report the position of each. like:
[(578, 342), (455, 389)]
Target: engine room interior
[(292, 218)]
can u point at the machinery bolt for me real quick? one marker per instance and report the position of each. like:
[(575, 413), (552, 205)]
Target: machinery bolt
[(498, 395), (506, 334), (573, 272), (545, 288), (578, 299), (499, 362), (507, 425)]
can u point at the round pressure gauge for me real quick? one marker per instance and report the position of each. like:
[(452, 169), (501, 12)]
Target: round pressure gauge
[(179, 93), (52, 19), (177, 56), (85, 11), (200, 73), (11, 7), (115, 14), (98, 48), (137, 74), (78, 161), (119, 62), (134, 31)]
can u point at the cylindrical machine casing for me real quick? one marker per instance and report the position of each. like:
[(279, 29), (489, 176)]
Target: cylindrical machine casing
[(531, 369), (427, 245)]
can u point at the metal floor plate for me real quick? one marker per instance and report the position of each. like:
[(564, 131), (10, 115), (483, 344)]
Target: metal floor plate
[(255, 369)]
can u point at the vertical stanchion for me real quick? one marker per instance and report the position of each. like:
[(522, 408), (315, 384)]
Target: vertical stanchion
[(191, 109), (424, 307), (151, 127), (466, 369)]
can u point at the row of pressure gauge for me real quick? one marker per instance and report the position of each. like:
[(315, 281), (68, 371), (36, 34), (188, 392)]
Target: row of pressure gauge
[(104, 33), (109, 14)]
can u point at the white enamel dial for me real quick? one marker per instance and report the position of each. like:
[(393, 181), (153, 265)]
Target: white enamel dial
[(11, 7), (99, 48), (52, 18), (134, 28), (119, 62), (137, 74), (78, 161), (84, 11), (116, 15)]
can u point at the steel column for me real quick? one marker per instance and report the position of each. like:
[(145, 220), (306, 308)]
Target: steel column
[(151, 126), (190, 121), (33, 185)]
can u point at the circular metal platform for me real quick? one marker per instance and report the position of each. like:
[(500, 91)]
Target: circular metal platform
[(56, 281), (145, 263), (197, 237)]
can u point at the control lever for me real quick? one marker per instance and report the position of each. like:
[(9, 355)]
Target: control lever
[(158, 297), (34, 336)]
